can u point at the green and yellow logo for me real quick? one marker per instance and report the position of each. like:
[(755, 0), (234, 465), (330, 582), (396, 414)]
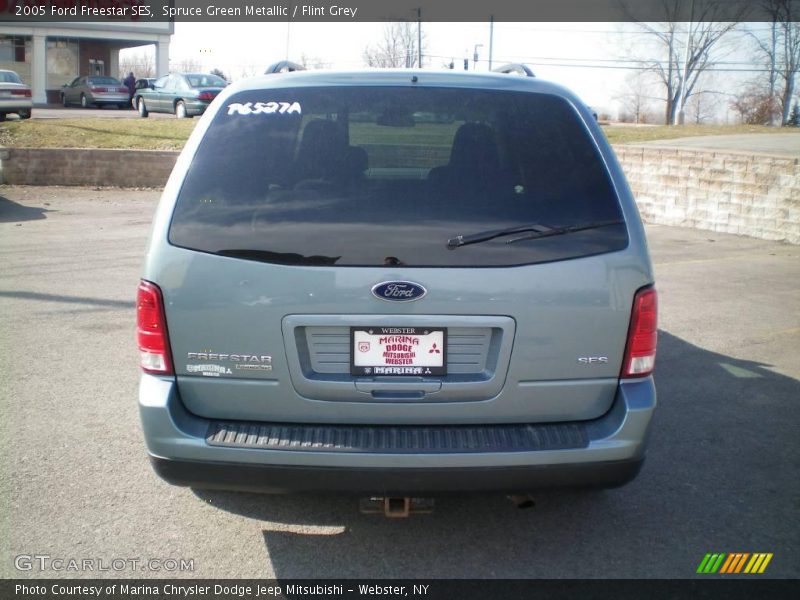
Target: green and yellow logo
[(734, 562)]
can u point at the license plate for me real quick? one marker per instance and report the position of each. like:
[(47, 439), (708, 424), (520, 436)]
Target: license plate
[(417, 351)]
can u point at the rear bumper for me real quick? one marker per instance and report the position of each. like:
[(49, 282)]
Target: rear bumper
[(196, 107), (178, 445), (109, 98), (398, 482), (13, 105)]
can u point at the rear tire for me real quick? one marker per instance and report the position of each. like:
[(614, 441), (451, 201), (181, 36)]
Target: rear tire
[(24, 114), (84, 102), (2, 116), (180, 110), (64, 102), (142, 109)]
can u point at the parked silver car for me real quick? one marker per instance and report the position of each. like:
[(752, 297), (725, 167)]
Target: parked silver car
[(15, 96), (451, 293), (97, 91)]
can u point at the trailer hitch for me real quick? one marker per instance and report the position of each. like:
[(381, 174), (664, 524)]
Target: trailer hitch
[(395, 507)]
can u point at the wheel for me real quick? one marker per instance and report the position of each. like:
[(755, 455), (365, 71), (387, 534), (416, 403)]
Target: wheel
[(180, 110), (64, 102), (142, 109), (84, 102), (24, 114)]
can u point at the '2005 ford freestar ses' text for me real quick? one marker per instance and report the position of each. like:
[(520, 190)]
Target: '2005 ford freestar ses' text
[(396, 283)]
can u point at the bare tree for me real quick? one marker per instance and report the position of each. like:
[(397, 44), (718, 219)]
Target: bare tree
[(246, 71), (780, 50), (753, 105), (313, 62), (186, 65), (398, 48), (635, 98), (683, 50), (703, 106), (141, 64)]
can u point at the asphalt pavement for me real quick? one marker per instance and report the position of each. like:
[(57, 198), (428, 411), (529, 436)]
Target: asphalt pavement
[(722, 474), (780, 144)]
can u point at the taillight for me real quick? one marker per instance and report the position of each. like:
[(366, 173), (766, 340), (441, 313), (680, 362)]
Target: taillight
[(205, 96), (25, 93), (98, 90), (151, 330), (640, 350)]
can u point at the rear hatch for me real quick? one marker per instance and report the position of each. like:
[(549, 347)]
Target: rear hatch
[(397, 254)]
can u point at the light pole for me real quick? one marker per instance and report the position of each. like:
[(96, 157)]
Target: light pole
[(419, 38), (491, 41)]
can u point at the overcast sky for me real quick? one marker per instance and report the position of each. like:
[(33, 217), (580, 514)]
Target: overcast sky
[(558, 52)]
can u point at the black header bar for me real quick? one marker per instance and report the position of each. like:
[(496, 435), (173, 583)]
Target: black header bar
[(232, 11)]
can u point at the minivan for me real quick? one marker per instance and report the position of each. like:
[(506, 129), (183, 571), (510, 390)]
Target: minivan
[(396, 283)]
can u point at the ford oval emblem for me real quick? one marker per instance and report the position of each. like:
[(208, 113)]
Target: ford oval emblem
[(398, 291)]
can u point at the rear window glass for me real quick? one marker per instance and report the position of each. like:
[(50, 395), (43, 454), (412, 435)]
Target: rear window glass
[(206, 81), (387, 176), (9, 77), (103, 81)]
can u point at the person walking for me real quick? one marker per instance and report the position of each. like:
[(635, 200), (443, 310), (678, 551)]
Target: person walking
[(130, 83)]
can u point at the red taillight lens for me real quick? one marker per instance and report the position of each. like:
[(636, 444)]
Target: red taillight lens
[(640, 351), (25, 93), (205, 96), (99, 89), (151, 330)]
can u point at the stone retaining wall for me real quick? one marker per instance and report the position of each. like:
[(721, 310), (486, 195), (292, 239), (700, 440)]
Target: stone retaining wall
[(748, 194), (91, 167)]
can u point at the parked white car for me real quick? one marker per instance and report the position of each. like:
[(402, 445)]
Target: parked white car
[(15, 96)]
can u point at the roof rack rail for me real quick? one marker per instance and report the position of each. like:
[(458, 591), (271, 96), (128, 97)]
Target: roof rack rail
[(515, 68), (283, 66)]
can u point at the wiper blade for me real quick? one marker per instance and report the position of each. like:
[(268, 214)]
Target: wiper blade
[(532, 231), (485, 236), (562, 230)]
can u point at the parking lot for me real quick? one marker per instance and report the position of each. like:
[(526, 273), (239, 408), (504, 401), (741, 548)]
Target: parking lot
[(722, 474)]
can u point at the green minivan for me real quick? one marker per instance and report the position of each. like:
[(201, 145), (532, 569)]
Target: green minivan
[(397, 283)]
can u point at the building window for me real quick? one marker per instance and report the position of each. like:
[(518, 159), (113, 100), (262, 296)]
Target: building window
[(97, 67), (12, 48)]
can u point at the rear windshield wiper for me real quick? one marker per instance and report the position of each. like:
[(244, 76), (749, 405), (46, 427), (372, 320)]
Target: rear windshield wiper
[(531, 232)]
